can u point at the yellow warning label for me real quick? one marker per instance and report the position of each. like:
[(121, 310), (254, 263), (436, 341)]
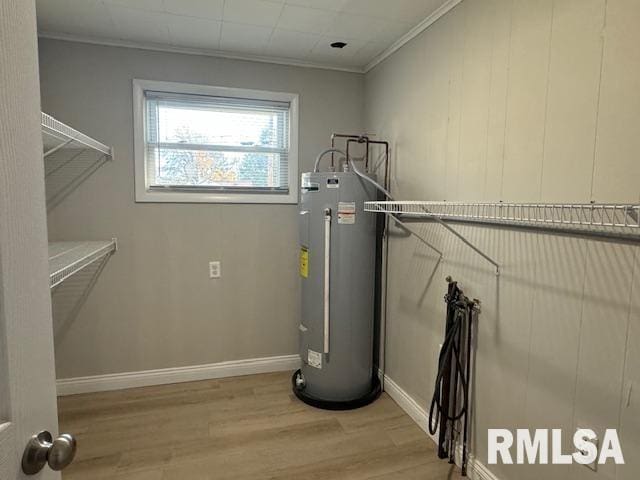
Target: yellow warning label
[(304, 262)]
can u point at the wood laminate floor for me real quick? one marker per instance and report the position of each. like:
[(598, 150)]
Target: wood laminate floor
[(241, 428)]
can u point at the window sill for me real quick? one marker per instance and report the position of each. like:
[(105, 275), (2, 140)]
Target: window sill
[(189, 197)]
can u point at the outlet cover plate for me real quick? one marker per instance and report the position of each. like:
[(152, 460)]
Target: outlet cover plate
[(215, 270)]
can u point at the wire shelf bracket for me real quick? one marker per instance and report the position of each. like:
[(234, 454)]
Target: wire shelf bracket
[(393, 208), (57, 136), (411, 231), (68, 258)]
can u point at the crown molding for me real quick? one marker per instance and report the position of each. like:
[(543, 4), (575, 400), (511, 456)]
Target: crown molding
[(194, 51), (413, 33)]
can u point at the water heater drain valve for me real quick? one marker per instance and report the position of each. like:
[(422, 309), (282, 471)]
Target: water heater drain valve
[(300, 381)]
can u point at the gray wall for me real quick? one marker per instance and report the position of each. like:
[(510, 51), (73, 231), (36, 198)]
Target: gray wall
[(154, 306), (521, 100)]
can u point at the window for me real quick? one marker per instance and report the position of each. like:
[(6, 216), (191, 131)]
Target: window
[(211, 144)]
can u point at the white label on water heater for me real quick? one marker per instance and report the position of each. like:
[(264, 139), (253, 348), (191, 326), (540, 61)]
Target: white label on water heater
[(347, 213), (314, 359)]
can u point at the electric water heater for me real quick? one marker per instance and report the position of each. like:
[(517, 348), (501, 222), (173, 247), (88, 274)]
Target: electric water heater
[(337, 268)]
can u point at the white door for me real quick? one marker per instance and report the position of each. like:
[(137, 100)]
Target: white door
[(27, 379)]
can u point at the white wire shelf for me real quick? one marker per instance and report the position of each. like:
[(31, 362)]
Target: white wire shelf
[(612, 220), (57, 136), (68, 258)]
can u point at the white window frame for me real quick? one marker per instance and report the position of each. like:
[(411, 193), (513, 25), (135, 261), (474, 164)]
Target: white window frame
[(144, 194)]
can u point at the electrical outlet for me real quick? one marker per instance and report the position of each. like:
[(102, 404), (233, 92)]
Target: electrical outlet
[(214, 269)]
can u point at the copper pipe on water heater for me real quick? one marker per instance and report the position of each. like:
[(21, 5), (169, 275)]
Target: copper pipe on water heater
[(365, 139), (361, 139), (333, 144)]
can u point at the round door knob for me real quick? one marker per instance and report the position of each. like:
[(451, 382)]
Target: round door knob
[(43, 449)]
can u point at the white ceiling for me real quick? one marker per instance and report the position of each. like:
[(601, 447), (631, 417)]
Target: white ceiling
[(295, 30)]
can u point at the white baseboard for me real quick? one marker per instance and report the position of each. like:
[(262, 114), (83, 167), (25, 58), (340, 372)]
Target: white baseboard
[(475, 469), (119, 381), (408, 404)]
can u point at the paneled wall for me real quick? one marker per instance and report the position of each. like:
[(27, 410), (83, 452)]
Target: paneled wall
[(521, 100)]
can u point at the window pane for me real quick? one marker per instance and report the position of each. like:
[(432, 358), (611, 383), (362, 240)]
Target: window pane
[(220, 127), (176, 167), (202, 141)]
